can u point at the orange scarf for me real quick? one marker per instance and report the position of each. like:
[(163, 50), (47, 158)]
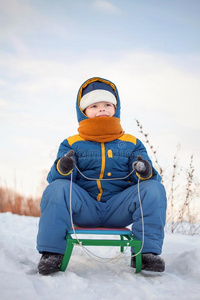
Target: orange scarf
[(101, 129)]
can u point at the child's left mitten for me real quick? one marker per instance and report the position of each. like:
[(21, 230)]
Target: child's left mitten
[(142, 167)]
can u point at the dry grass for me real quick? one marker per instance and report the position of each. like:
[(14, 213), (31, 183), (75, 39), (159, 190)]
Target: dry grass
[(15, 203)]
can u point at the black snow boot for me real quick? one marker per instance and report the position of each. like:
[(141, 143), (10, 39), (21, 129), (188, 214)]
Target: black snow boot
[(50, 263), (150, 262)]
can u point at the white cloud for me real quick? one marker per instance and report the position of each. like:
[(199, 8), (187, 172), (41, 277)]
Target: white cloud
[(22, 19), (105, 6), (3, 103), (3, 82), (149, 81), (156, 84), (15, 8), (17, 16)]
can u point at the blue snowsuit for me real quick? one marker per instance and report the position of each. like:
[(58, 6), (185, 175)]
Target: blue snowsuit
[(98, 203)]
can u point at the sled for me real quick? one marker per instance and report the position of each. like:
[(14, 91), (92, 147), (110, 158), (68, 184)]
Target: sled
[(126, 240)]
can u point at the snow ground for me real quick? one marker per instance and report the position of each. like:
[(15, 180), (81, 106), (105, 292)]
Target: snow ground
[(88, 279)]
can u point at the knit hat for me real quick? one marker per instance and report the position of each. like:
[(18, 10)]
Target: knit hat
[(96, 92)]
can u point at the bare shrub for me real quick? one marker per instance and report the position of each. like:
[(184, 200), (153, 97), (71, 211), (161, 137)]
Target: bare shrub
[(182, 213), (151, 147)]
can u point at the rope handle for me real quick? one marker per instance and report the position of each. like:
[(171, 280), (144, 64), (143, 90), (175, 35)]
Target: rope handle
[(88, 252)]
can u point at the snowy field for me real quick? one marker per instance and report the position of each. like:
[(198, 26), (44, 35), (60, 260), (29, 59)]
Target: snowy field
[(88, 279)]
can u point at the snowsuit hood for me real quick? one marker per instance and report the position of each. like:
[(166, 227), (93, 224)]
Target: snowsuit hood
[(80, 114)]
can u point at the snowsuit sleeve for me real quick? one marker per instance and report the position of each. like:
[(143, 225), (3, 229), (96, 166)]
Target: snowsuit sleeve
[(54, 174)]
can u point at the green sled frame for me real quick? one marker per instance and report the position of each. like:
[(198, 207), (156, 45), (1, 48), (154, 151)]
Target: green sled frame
[(126, 240)]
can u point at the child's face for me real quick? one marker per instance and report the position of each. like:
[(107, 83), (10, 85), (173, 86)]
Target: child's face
[(100, 109)]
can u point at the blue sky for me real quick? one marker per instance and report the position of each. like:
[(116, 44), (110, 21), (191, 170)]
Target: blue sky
[(150, 49)]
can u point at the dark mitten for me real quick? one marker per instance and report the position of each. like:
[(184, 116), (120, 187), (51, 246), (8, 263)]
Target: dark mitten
[(67, 162), (142, 167)]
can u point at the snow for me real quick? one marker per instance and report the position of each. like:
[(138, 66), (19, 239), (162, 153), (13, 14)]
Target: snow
[(86, 278)]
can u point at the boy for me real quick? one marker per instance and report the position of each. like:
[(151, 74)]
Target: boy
[(101, 150)]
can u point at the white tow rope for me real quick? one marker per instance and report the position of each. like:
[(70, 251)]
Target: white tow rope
[(88, 252)]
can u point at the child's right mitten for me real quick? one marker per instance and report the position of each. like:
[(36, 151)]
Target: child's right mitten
[(66, 163)]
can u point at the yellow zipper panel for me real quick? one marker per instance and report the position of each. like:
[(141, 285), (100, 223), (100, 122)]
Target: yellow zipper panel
[(103, 162)]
